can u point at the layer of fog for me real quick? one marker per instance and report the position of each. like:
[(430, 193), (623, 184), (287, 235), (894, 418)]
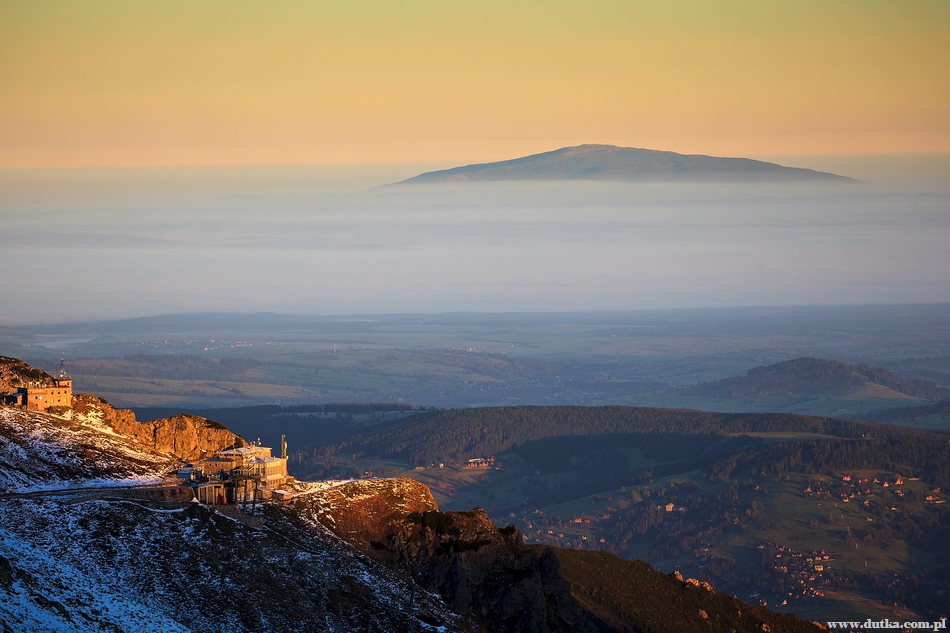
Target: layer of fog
[(83, 245)]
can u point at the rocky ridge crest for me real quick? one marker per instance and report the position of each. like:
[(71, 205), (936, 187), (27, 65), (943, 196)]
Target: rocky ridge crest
[(187, 437), (481, 571), (487, 574), (15, 373)]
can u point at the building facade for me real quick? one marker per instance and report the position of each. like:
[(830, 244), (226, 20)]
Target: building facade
[(42, 397), (253, 463)]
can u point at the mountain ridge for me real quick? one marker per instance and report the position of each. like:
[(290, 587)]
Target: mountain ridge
[(92, 440), (625, 164)]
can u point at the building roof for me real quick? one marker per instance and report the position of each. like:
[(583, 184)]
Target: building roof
[(265, 460), (245, 450)]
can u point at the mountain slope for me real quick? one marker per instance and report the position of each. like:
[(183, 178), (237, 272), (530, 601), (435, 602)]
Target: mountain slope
[(609, 162), (37, 587), (194, 569), (94, 444), (629, 601), (76, 563), (79, 554)]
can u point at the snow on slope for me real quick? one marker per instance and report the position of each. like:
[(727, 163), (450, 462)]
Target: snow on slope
[(194, 569), (40, 451), (86, 560), (41, 593)]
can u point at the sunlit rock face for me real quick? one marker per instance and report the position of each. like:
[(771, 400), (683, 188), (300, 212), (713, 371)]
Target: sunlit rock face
[(480, 571), (186, 437)]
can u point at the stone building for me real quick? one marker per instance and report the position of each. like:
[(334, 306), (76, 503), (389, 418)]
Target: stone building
[(38, 397), (251, 465), (214, 493)]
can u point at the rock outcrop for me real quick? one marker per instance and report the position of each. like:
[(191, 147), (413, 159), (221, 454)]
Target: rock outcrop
[(14, 373), (367, 513), (479, 570), (187, 437), (487, 574)]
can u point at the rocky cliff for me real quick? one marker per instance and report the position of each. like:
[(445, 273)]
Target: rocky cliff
[(480, 571), (14, 373), (485, 573), (186, 437)]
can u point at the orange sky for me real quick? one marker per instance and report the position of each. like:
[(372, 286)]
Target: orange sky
[(183, 83)]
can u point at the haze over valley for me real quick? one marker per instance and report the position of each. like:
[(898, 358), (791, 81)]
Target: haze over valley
[(126, 244)]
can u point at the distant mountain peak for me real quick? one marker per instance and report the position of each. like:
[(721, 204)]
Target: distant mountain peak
[(625, 164)]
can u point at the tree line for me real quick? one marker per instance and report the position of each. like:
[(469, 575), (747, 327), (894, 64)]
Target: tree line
[(460, 434)]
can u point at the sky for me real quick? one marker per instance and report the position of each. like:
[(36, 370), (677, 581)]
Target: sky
[(175, 83), (181, 156)]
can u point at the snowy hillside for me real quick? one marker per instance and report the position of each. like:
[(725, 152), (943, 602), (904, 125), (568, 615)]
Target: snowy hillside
[(79, 554), (40, 451), (42, 593), (75, 563)]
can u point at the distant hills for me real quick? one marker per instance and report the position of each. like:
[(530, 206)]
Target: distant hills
[(812, 386), (813, 376), (609, 162)]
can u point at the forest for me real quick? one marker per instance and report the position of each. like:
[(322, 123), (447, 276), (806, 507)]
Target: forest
[(751, 503), (457, 434)]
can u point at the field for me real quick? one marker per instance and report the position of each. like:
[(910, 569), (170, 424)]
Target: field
[(208, 361)]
